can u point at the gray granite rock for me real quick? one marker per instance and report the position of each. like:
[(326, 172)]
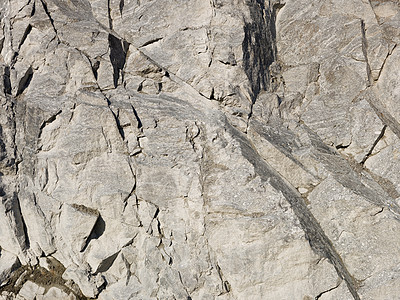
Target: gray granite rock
[(199, 149)]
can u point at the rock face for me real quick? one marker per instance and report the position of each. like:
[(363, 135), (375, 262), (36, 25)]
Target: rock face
[(199, 149)]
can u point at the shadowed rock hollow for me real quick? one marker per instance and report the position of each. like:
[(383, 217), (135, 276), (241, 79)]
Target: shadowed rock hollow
[(154, 149)]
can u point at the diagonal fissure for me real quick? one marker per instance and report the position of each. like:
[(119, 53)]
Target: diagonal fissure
[(316, 236), (374, 145)]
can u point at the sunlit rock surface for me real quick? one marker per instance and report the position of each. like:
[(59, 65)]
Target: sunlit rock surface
[(199, 149)]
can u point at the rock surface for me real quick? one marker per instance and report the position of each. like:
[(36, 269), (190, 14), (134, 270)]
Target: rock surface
[(199, 149)]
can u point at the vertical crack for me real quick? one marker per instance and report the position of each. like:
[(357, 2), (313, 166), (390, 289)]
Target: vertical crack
[(365, 51), (1, 43), (118, 51), (44, 4), (33, 8), (20, 222), (121, 6), (7, 81), (226, 287), (95, 67), (110, 21), (259, 47), (118, 123)]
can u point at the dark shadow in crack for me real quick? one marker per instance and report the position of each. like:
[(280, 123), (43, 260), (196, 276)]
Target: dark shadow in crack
[(97, 231), (118, 51)]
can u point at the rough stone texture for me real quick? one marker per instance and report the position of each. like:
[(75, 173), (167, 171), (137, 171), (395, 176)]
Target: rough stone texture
[(197, 149), (8, 263)]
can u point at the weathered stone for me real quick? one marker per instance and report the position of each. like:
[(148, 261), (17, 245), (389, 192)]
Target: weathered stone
[(30, 291), (360, 243), (56, 293), (89, 284), (8, 263), (199, 149), (76, 224)]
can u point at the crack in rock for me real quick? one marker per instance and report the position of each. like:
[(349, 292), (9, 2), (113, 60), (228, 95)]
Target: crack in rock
[(327, 291), (380, 136)]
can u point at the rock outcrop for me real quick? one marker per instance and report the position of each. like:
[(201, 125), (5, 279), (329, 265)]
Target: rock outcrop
[(199, 149)]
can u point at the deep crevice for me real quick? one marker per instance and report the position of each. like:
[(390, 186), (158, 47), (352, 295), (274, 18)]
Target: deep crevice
[(95, 67), (33, 8), (259, 46), (118, 51), (106, 263), (25, 81), (1, 44), (97, 231), (7, 81), (26, 33), (121, 6)]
